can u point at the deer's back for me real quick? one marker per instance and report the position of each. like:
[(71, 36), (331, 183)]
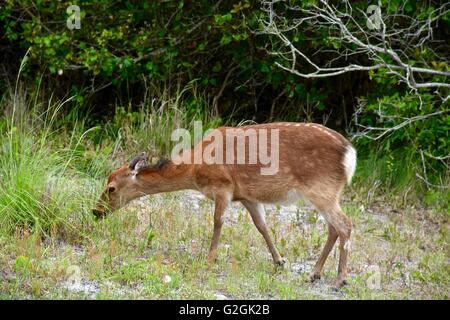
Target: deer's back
[(311, 157)]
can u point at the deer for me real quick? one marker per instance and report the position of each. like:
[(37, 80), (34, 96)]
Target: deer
[(314, 164)]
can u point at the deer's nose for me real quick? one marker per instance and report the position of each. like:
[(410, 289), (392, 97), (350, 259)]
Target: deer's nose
[(98, 213)]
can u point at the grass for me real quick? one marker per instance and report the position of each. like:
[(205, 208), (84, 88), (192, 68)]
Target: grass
[(155, 248), (119, 260)]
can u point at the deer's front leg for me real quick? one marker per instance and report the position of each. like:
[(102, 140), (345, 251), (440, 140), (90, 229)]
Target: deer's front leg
[(221, 201), (256, 211)]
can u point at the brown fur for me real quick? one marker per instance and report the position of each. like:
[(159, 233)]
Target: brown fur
[(310, 164)]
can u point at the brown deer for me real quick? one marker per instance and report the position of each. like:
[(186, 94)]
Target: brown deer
[(315, 163)]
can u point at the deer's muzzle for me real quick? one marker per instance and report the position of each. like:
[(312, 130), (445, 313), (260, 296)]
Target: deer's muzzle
[(99, 213)]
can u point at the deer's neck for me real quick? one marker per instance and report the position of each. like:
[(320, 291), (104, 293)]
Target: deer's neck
[(173, 177)]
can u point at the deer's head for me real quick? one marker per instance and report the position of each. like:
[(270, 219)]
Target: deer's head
[(122, 187)]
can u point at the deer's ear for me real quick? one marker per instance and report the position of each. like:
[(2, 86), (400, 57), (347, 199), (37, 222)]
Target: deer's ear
[(138, 163), (140, 158)]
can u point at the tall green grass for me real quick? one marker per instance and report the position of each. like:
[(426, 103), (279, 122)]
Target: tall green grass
[(394, 177), (40, 187), (52, 171)]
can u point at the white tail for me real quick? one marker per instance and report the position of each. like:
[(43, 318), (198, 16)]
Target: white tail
[(350, 162)]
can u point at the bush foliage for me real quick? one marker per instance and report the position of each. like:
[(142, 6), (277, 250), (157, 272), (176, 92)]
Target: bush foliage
[(127, 50)]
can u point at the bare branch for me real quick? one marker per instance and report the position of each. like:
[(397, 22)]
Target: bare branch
[(376, 133), (375, 44)]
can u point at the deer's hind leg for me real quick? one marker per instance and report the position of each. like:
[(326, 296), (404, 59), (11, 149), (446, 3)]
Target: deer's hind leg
[(339, 226), (344, 228), (331, 240)]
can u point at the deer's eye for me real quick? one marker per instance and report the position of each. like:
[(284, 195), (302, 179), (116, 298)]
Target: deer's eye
[(111, 189)]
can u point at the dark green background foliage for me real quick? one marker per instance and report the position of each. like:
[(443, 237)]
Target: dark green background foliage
[(125, 47)]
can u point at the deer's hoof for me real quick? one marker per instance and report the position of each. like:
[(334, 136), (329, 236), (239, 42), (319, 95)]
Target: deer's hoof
[(212, 257), (281, 263), (313, 277), (340, 283)]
